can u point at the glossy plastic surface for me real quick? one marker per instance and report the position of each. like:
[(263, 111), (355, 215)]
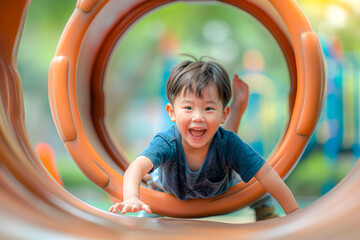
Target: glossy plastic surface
[(34, 206)]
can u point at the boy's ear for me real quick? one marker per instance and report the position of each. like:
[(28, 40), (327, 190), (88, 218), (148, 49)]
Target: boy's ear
[(225, 114), (170, 111)]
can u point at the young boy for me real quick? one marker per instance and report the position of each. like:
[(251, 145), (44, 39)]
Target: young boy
[(197, 158)]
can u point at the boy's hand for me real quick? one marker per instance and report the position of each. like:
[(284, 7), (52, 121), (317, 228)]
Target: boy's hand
[(131, 205)]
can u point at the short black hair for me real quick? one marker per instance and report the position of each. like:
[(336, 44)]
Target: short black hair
[(198, 73)]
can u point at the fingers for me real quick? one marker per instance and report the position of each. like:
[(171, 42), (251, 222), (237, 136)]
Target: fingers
[(146, 208), (134, 208), (116, 207), (125, 208)]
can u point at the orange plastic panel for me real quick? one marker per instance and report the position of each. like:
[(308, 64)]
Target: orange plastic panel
[(47, 157), (59, 73), (311, 50), (86, 5)]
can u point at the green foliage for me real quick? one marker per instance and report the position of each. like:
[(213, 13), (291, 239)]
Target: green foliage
[(308, 176), (314, 171), (80, 186), (71, 174)]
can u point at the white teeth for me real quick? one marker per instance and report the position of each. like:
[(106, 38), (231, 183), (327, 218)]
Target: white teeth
[(197, 132)]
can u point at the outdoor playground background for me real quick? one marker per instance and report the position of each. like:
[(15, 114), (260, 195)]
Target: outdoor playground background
[(137, 71)]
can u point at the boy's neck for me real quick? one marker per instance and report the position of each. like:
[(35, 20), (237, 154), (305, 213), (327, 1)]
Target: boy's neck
[(195, 158)]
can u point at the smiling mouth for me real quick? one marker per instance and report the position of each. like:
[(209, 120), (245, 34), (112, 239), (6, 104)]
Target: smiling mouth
[(197, 133)]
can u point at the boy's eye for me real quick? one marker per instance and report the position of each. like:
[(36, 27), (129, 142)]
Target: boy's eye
[(209, 108), (188, 108)]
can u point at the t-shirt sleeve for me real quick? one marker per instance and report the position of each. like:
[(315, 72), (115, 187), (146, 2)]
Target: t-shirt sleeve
[(245, 160), (158, 151)]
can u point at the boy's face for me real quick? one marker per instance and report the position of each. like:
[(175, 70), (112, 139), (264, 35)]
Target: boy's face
[(198, 119)]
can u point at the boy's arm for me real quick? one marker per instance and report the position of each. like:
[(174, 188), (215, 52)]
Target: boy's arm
[(274, 185), (132, 180)]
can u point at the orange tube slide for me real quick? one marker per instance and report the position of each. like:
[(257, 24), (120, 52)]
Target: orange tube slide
[(33, 205), (79, 117)]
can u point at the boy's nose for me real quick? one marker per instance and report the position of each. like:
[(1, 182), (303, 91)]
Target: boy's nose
[(198, 117)]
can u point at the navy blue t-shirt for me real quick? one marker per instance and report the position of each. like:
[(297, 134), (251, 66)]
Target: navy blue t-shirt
[(227, 154)]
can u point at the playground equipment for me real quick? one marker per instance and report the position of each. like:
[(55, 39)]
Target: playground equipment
[(33, 204), (47, 156), (79, 115)]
